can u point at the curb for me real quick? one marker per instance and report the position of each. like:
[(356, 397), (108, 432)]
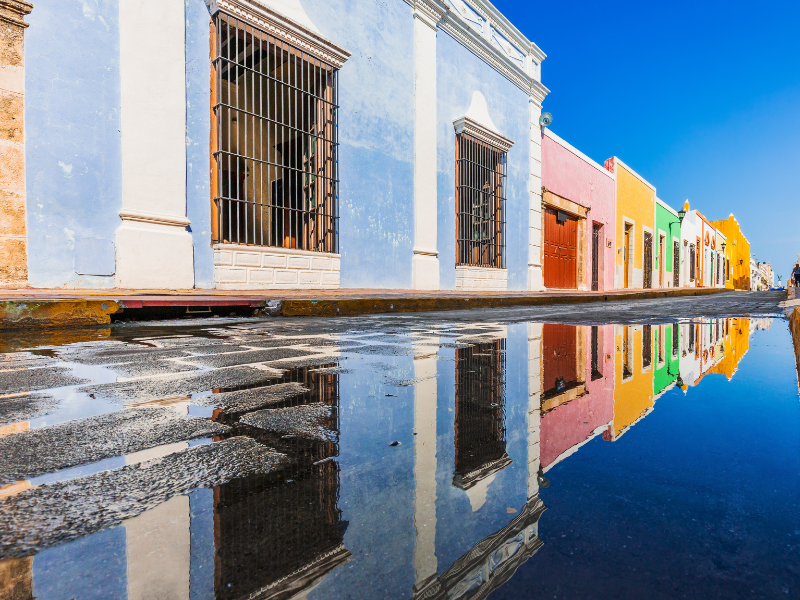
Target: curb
[(54, 314), (361, 306), (48, 314)]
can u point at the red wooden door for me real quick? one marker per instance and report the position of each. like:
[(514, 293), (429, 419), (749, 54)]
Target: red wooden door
[(559, 355), (560, 250)]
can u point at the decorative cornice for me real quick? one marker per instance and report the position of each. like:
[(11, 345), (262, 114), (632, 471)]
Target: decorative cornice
[(429, 12), (484, 134), (282, 27), (146, 217), (459, 30), (14, 11)]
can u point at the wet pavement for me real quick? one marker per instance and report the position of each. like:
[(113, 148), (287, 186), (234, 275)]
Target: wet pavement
[(624, 450)]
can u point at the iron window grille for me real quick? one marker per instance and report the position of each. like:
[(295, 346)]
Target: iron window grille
[(275, 171), (480, 203)]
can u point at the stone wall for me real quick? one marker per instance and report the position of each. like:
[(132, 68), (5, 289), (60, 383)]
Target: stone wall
[(481, 279), (13, 250), (262, 268)]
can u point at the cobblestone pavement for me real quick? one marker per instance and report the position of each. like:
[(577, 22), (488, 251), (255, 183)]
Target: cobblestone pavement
[(118, 412)]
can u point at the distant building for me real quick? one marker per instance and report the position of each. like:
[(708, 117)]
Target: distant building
[(635, 226), (738, 251), (578, 219), (668, 246)]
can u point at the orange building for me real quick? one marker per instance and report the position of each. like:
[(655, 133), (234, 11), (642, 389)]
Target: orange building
[(633, 378), (738, 249)]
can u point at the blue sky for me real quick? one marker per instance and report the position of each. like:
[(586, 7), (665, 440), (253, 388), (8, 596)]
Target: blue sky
[(700, 98)]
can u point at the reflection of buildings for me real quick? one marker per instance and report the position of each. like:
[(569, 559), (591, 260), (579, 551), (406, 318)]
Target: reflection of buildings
[(633, 379), (480, 454), (480, 433), (273, 539), (735, 345), (667, 369), (16, 578), (577, 402)]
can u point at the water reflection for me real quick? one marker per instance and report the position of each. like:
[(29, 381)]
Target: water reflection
[(450, 512)]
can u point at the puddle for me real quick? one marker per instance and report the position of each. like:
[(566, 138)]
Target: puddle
[(416, 458)]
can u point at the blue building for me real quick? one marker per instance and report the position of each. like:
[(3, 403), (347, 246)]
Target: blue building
[(280, 144)]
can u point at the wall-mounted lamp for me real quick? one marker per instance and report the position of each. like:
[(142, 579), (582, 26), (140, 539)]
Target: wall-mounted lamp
[(681, 214)]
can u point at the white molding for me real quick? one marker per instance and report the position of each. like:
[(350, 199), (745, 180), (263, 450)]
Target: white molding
[(666, 206), (128, 214), (429, 12), (483, 133), (274, 23), (618, 161), (567, 146), (480, 44)]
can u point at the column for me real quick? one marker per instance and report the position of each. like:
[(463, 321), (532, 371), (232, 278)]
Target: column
[(425, 258), (153, 246), (534, 405), (535, 272), (425, 400), (13, 235)]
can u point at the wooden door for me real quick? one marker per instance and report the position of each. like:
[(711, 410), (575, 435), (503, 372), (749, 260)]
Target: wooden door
[(647, 267), (676, 265), (559, 358), (596, 257), (560, 250), (662, 265)]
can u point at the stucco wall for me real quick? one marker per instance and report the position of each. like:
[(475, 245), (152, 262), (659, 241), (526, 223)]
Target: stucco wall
[(73, 152), (376, 119), (669, 224), (459, 74), (635, 201), (570, 176), (198, 136), (739, 250)]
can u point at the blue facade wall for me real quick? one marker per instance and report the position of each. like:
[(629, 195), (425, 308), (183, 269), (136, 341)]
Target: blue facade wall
[(73, 150), (376, 136), (459, 74), (198, 139)]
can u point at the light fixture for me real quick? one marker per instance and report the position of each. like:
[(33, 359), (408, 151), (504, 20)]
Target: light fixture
[(681, 214)]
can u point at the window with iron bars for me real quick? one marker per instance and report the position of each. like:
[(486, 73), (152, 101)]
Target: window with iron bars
[(480, 203), (275, 174)]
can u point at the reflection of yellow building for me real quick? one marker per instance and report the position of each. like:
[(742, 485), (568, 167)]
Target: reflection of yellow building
[(736, 344), (633, 377)]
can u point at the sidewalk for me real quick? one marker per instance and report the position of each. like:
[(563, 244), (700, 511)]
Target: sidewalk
[(48, 308)]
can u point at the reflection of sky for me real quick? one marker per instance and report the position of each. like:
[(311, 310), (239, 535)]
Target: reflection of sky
[(698, 498), (699, 488)]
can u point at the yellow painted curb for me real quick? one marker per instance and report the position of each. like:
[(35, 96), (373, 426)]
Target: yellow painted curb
[(25, 314), (359, 306)]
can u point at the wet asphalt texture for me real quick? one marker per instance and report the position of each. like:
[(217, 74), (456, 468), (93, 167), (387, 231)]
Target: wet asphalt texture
[(246, 374)]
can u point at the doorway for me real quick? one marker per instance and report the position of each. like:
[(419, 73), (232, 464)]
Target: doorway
[(596, 229), (662, 263), (560, 250), (676, 265), (647, 267), (626, 255)]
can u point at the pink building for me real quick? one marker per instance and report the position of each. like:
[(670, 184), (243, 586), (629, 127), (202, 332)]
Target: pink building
[(575, 412), (578, 218)]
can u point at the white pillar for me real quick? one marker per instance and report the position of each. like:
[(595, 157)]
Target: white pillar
[(153, 248), (535, 272), (534, 405), (425, 399), (425, 259)]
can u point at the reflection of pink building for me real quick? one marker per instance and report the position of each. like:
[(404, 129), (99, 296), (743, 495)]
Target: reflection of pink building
[(579, 413), (578, 186)]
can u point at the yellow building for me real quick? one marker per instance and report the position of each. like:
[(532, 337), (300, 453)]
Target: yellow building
[(736, 345), (636, 209), (738, 249), (633, 377)]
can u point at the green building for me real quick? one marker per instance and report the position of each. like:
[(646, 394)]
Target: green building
[(666, 253), (667, 343)]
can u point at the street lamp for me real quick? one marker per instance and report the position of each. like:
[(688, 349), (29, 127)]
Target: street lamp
[(681, 214)]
